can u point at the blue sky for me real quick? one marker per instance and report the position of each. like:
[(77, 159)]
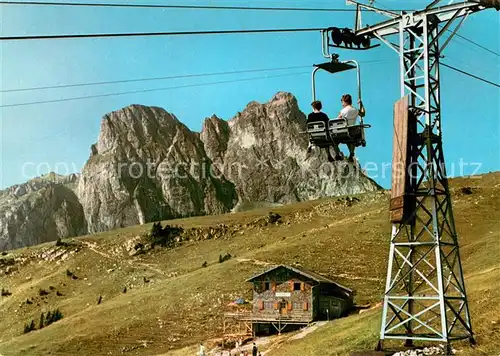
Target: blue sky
[(39, 138)]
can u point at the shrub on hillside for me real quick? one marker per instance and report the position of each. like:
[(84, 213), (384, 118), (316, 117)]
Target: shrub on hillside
[(45, 320), (156, 230), (7, 261), (29, 327), (60, 242), (164, 236), (53, 317), (273, 218), (71, 274), (224, 258)]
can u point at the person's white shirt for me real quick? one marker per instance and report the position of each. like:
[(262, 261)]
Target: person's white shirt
[(350, 114)]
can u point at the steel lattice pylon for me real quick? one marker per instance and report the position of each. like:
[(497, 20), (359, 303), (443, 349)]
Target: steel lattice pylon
[(425, 297)]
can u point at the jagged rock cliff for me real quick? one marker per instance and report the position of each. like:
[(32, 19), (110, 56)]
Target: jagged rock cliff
[(40, 210), (147, 165), (266, 143)]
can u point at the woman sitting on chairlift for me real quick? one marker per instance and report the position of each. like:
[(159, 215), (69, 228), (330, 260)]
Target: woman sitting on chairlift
[(348, 113)]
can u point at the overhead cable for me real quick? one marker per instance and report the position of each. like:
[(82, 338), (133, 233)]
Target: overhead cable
[(470, 75), (198, 7), (148, 79), (134, 80), (150, 90), (204, 84), (477, 44), (149, 34)]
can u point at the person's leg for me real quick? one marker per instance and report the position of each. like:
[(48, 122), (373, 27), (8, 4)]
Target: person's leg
[(310, 147), (351, 151), (338, 153), (330, 158)]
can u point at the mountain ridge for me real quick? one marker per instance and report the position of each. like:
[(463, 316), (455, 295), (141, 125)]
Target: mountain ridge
[(147, 165)]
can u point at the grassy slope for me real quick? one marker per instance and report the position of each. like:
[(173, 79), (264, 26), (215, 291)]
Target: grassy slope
[(170, 312)]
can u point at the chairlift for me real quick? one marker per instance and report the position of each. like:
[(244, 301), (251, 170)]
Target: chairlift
[(338, 131)]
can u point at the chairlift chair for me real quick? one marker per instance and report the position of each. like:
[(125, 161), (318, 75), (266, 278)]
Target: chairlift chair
[(338, 131)]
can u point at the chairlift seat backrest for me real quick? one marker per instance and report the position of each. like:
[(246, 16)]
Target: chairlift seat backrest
[(338, 126), (342, 133), (317, 130), (315, 126), (318, 134)]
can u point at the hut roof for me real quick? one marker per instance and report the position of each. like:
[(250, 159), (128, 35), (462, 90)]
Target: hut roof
[(312, 275)]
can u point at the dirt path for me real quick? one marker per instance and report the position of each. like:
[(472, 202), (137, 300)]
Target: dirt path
[(91, 247), (255, 262), (317, 229), (338, 222), (343, 221), (307, 330), (488, 270)]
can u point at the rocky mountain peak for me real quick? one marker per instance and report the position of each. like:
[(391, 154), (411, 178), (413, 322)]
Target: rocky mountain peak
[(286, 97), (215, 136), (148, 166), (136, 126), (38, 183), (40, 210)]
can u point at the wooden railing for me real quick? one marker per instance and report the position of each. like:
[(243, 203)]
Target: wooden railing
[(249, 316)]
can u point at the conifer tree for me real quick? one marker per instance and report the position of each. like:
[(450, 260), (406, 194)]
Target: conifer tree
[(48, 318), (42, 321)]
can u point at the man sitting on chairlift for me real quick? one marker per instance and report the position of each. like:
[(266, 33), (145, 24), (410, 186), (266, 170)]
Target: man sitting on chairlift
[(318, 115), (348, 113)]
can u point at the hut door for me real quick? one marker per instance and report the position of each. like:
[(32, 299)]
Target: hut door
[(335, 309), (283, 308)]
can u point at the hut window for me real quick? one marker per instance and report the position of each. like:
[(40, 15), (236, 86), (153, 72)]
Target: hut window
[(296, 306), (296, 286), (268, 305), (266, 286)]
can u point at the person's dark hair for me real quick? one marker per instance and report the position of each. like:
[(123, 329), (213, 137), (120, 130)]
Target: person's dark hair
[(346, 98), (317, 105)]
